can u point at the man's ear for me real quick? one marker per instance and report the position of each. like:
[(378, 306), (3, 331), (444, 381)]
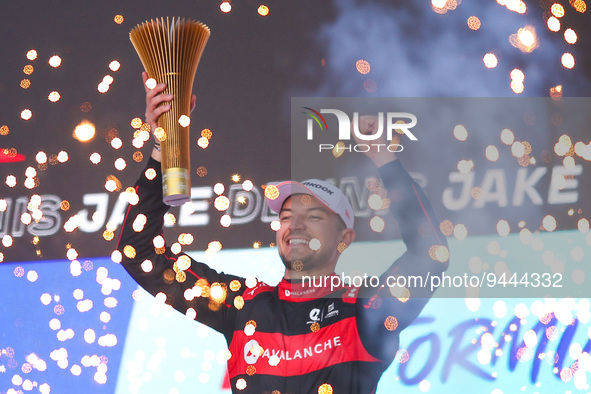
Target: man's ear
[(348, 236)]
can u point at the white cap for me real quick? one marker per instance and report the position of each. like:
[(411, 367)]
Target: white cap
[(328, 194)]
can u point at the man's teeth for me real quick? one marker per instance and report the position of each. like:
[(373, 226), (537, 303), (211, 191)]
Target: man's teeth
[(298, 241)]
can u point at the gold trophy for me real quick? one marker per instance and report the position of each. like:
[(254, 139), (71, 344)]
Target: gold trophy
[(170, 50)]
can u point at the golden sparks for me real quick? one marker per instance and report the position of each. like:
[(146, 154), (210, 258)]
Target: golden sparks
[(129, 251), (203, 142), (85, 107), (26, 114), (338, 149), (568, 60), (402, 294), (460, 133), (363, 66), (218, 188), (55, 61), (492, 153), (238, 302), (525, 39), (114, 66), (446, 227), (202, 171), (32, 55), (557, 10), (108, 235), (221, 203), (579, 6), (85, 131), (136, 123), (507, 137), (112, 184), (274, 360), (377, 224), (54, 96), (206, 133), (553, 24), (226, 7), (28, 69), (235, 285), (370, 85), (570, 36), (549, 223), (490, 60), (473, 23), (151, 83), (214, 246), (325, 388), (250, 327), (184, 121), (263, 10), (236, 178), (439, 253), (391, 323), (240, 383), (272, 192)]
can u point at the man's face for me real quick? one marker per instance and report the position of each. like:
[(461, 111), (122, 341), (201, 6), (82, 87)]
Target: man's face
[(309, 234)]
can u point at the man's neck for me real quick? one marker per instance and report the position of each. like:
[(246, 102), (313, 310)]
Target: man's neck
[(297, 275)]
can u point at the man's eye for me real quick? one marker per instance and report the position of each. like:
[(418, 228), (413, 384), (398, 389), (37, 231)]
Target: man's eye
[(285, 218)]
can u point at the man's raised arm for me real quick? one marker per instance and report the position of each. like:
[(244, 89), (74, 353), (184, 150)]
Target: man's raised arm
[(384, 312)]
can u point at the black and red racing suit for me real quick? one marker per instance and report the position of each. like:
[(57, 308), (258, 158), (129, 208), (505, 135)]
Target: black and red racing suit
[(299, 339)]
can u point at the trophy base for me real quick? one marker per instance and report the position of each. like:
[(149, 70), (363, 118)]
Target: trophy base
[(175, 186)]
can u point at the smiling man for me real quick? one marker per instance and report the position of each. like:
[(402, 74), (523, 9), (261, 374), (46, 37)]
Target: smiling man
[(295, 337)]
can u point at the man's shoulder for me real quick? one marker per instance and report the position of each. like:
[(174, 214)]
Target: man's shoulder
[(257, 289)]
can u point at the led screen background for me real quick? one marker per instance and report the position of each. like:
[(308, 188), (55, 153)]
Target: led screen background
[(507, 345)]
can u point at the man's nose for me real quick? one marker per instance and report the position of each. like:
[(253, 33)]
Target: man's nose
[(297, 223)]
